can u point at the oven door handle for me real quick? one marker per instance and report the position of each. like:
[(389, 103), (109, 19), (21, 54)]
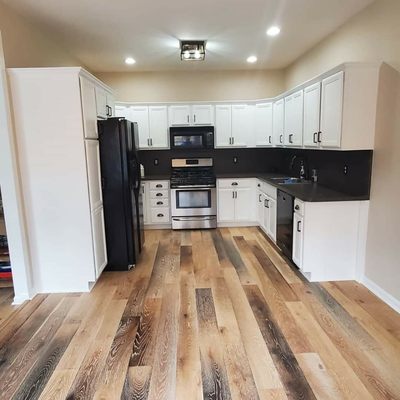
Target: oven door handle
[(199, 218), (194, 187)]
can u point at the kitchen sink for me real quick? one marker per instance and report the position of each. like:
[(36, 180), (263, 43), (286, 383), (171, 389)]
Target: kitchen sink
[(289, 181)]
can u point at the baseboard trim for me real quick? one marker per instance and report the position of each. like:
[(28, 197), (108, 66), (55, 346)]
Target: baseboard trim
[(157, 226), (19, 299), (381, 293), (236, 224)]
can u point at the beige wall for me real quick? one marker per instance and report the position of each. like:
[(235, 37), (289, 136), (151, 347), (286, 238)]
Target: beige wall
[(196, 85), (26, 45), (372, 35)]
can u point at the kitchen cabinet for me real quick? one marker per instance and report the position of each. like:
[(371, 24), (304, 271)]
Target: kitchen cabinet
[(62, 193), (104, 103), (270, 224), (236, 200), (156, 204), (140, 115), (146, 202), (267, 211), (196, 114), (298, 238), (293, 119), (110, 105), (158, 127), (260, 208), (278, 112), (312, 113), (331, 111), (223, 125), (263, 126), (242, 125)]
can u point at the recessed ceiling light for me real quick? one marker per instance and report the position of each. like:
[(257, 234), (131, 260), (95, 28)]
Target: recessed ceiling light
[(130, 61), (252, 59), (273, 31)]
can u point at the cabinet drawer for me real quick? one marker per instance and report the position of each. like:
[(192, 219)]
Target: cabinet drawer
[(159, 215), (159, 194), (299, 207), (159, 202), (155, 185), (268, 189), (235, 183)]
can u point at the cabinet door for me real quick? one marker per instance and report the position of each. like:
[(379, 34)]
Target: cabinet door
[(226, 205), (111, 105), (223, 125), (94, 174), (331, 110), (312, 113), (88, 98), (265, 223), (277, 122), (293, 125), (122, 111), (158, 126), (263, 124), (260, 208), (146, 202), (240, 125), (99, 241), (297, 253), (140, 114), (271, 227), (243, 204), (179, 115), (101, 103), (203, 114)]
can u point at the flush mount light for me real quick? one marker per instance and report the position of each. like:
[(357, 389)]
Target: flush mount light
[(273, 31), (193, 50), (252, 59), (130, 61)]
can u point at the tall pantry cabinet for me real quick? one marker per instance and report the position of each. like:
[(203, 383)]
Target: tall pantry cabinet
[(55, 115)]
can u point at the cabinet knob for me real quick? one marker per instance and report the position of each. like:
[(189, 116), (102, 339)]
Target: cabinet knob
[(159, 194), (160, 215), (258, 185), (159, 185), (297, 207), (160, 203)]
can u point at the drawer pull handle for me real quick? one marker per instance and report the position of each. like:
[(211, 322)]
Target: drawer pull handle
[(160, 215), (297, 207), (160, 203), (159, 194), (159, 185), (234, 183), (298, 226)]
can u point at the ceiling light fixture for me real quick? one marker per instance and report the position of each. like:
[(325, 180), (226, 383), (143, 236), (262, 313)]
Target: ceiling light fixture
[(193, 50), (252, 59), (130, 61), (273, 31)]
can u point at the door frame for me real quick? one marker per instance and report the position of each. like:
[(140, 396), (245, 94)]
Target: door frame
[(12, 196)]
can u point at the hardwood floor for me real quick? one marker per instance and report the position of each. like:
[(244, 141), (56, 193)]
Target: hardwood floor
[(205, 315)]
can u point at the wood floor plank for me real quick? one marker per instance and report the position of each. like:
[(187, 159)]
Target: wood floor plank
[(188, 373), (213, 371), (137, 383), (161, 261), (58, 387), (291, 375)]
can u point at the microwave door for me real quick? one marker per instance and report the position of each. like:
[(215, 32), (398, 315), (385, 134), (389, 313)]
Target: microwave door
[(188, 141)]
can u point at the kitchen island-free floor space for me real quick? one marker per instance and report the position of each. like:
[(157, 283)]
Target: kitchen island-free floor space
[(214, 314)]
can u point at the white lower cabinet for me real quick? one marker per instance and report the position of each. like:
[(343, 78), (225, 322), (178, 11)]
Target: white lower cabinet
[(156, 209), (266, 206), (99, 240), (298, 224), (236, 201)]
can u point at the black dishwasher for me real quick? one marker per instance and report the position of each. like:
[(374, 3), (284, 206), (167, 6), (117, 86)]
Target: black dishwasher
[(284, 224)]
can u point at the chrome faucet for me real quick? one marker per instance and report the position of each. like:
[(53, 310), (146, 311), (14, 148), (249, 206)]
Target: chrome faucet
[(303, 165)]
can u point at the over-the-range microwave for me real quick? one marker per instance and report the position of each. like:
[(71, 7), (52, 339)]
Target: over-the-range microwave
[(192, 137)]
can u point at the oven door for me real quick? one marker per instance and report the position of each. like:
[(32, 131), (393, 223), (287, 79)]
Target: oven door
[(193, 201)]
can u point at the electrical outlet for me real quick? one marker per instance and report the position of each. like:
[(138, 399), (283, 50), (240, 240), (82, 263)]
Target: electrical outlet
[(156, 161), (345, 169), (235, 160)]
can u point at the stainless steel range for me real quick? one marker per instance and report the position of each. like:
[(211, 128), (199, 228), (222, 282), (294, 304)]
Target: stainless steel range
[(193, 194)]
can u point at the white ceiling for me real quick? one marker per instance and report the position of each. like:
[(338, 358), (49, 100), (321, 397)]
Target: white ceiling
[(101, 33)]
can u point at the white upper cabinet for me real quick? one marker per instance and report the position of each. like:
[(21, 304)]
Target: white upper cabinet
[(101, 103), (158, 125), (263, 124), (293, 125), (179, 115), (202, 114), (331, 110), (242, 125), (110, 105), (277, 122), (223, 125), (88, 98), (312, 112), (140, 114)]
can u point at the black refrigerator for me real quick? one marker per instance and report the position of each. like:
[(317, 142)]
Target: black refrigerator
[(122, 196)]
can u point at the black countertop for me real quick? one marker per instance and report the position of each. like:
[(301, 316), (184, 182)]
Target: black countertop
[(312, 192)]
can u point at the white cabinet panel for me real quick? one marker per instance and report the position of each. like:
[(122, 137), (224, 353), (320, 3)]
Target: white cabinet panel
[(293, 125), (202, 114), (179, 115), (94, 174), (263, 124), (146, 202), (223, 125), (260, 208), (312, 108), (101, 103), (158, 126), (140, 114), (277, 122), (110, 105), (88, 98), (160, 215), (298, 237), (241, 122), (271, 227), (244, 211), (226, 205), (123, 111), (99, 240), (331, 110)]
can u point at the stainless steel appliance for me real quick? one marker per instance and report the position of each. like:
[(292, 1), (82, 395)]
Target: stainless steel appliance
[(284, 224), (192, 137), (122, 197), (193, 194)]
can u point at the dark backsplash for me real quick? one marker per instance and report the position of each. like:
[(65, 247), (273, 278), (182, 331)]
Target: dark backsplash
[(330, 164)]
